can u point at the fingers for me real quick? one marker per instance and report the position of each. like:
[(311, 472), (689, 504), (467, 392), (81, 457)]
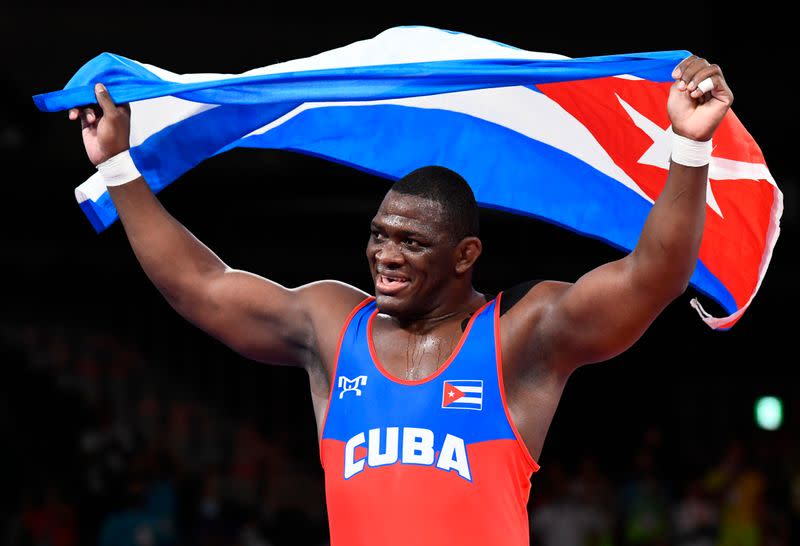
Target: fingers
[(678, 71), (694, 70), (711, 72), (687, 67), (90, 114), (85, 113), (689, 71), (104, 99)]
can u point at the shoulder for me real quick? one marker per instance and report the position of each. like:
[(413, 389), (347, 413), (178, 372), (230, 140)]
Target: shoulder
[(327, 304), (530, 298), (332, 291)]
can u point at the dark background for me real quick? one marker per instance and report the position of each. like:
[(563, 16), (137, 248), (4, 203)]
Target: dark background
[(297, 219)]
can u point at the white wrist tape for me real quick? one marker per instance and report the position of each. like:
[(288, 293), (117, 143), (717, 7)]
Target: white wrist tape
[(119, 169), (691, 153)]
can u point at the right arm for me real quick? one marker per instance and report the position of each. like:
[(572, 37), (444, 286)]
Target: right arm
[(257, 318)]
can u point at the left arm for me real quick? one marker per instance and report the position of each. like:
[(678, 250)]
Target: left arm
[(609, 308)]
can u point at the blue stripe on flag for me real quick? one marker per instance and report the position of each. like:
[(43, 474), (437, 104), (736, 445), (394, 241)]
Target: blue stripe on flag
[(128, 81)]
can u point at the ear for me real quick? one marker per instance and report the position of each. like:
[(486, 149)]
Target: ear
[(467, 252)]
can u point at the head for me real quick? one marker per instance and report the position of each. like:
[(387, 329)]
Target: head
[(424, 243)]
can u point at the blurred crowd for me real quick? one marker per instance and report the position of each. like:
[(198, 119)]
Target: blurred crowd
[(99, 449), (746, 497), (137, 464)]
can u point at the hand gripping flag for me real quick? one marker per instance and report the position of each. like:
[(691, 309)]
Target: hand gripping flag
[(583, 143)]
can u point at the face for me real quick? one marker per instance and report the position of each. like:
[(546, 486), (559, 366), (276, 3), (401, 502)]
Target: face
[(411, 255)]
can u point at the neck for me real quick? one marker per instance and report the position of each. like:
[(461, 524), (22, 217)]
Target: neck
[(458, 305)]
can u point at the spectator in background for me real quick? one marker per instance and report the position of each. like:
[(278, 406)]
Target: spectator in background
[(137, 524), (567, 519), (645, 512), (209, 440), (251, 533), (106, 444), (739, 486), (51, 522), (696, 518), (209, 524), (795, 505), (594, 488), (773, 458), (161, 497), (148, 419), (793, 473), (252, 458), (178, 429)]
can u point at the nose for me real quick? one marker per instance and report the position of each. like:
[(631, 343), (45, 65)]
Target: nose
[(389, 255)]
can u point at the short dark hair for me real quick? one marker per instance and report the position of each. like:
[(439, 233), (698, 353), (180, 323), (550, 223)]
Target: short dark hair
[(448, 188)]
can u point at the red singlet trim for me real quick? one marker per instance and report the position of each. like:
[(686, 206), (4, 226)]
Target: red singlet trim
[(499, 358), (441, 369), (335, 365)]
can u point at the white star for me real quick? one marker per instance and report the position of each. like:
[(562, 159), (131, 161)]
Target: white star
[(658, 154), (452, 394)]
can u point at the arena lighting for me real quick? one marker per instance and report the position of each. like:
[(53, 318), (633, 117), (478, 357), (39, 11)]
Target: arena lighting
[(769, 412)]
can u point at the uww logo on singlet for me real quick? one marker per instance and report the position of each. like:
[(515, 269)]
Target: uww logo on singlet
[(411, 446)]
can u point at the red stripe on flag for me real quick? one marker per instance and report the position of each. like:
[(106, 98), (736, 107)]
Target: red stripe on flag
[(450, 395)]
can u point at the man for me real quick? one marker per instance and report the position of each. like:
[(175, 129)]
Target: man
[(432, 400)]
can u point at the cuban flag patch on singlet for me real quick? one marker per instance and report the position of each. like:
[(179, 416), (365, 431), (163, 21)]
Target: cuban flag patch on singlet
[(463, 394)]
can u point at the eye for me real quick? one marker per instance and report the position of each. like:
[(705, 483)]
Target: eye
[(377, 235), (413, 243)]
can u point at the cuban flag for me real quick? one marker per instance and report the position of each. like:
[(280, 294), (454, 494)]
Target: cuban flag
[(463, 394), (583, 143)]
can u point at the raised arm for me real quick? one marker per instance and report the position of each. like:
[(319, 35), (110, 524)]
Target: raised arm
[(609, 308), (254, 316)]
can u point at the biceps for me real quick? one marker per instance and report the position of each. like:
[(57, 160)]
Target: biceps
[(256, 317), (603, 313)]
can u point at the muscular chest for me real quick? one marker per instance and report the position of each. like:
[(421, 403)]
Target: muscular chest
[(415, 356)]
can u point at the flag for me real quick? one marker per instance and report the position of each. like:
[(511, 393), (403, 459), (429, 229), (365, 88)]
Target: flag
[(463, 394), (582, 143)]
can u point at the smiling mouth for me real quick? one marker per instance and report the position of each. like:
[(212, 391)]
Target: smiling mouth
[(389, 285)]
